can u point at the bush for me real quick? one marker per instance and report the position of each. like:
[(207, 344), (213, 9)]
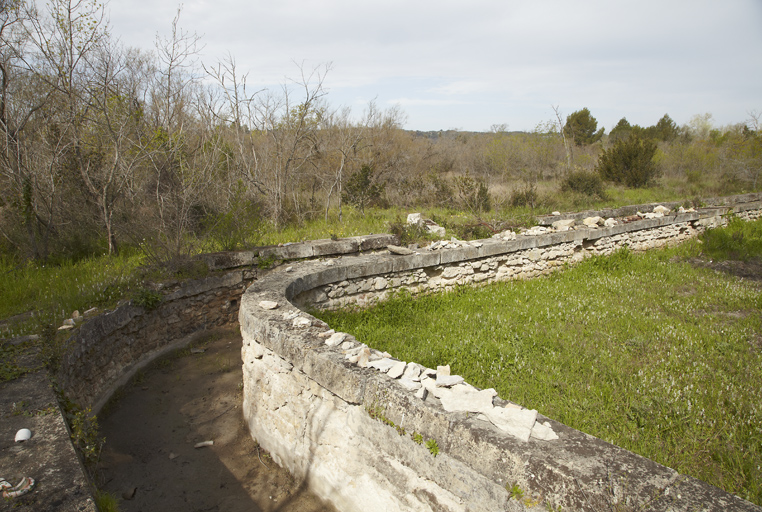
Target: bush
[(629, 162), (584, 182), (473, 194), (526, 196), (360, 190)]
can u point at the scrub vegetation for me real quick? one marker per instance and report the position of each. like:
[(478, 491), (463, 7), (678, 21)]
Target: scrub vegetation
[(645, 351)]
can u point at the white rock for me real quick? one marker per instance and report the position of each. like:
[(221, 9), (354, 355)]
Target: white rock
[(556, 213), (301, 322), (543, 431), (443, 371), (402, 251), (412, 372), (593, 222), (363, 358), (459, 401), (414, 218), (383, 365), (326, 334), (69, 321), (268, 304), (397, 370), (436, 230), (336, 339), (422, 393), (662, 209), (289, 269), (610, 222), (347, 345), (515, 421), (563, 225), (448, 381), (409, 384)]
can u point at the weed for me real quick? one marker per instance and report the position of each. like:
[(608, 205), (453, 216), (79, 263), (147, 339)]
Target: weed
[(20, 409), (516, 492), (432, 446), (84, 432), (266, 262), (147, 299), (417, 438), (106, 501)]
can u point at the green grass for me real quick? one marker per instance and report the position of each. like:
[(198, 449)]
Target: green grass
[(739, 241), (52, 293), (641, 350)]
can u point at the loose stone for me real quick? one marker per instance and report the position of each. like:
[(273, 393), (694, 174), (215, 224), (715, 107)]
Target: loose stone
[(268, 304)]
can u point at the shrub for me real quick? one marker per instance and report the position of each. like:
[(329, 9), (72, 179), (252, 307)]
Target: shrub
[(473, 194), (526, 196), (360, 189), (629, 162), (584, 182)]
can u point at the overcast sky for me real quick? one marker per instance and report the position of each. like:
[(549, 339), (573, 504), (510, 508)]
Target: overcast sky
[(469, 65)]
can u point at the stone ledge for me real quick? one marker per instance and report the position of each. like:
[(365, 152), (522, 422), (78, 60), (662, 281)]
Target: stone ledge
[(576, 471)]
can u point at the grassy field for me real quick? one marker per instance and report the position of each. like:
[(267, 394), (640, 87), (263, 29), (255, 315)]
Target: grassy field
[(642, 350)]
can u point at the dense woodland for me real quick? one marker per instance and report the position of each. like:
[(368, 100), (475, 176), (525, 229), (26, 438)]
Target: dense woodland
[(105, 147)]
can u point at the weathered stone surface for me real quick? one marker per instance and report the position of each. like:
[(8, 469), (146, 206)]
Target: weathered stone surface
[(447, 381), (336, 339), (383, 365), (515, 421), (402, 251), (563, 225), (396, 371), (414, 218), (459, 401), (543, 431), (268, 304)]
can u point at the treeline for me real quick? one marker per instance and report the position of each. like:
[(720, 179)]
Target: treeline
[(104, 146)]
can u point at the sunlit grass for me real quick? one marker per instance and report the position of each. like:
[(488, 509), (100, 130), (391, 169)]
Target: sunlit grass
[(52, 293), (641, 350)]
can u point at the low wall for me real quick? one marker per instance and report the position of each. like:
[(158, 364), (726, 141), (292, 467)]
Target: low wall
[(106, 351), (363, 428)]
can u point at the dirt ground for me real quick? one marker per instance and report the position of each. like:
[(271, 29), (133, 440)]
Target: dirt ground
[(149, 460)]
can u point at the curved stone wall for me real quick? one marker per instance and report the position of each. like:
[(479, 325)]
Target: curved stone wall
[(364, 429)]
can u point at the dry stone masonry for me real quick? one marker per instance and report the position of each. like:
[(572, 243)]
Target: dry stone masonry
[(370, 432), (367, 431)]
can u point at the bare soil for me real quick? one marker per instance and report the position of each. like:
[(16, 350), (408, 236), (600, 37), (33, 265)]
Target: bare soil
[(149, 460)]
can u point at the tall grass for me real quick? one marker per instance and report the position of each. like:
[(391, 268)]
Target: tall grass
[(641, 350), (52, 293)]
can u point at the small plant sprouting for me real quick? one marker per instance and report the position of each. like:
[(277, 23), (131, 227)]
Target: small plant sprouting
[(417, 438), (267, 262), (147, 299), (516, 492), (432, 446)]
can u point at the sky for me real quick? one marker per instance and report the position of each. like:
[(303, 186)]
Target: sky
[(469, 65)]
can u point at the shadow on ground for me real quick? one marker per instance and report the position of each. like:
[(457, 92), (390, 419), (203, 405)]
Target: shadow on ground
[(149, 460)]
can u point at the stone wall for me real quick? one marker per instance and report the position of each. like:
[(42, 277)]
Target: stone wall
[(107, 350), (362, 427)]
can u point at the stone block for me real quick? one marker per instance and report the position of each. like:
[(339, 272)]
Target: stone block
[(335, 247)]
